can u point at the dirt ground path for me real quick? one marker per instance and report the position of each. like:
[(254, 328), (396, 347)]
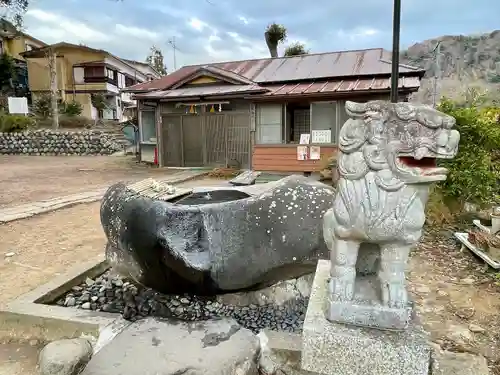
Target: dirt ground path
[(43, 246), (457, 297), (25, 179), (47, 245), (18, 359)]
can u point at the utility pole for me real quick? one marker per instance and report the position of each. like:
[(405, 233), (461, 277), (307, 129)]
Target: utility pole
[(437, 71), (396, 30), (52, 65), (174, 47)]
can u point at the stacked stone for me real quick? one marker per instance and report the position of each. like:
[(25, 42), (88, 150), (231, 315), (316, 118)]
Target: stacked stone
[(52, 143), (112, 294)]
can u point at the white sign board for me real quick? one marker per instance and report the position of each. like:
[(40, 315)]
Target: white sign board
[(321, 136), (305, 139), (18, 105), (315, 153), (302, 153)]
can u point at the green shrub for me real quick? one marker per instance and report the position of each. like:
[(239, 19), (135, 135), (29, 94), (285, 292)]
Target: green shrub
[(74, 122), (42, 106), (474, 174), (15, 123), (71, 109)]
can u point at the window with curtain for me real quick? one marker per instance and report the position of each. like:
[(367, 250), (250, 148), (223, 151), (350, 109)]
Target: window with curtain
[(148, 129), (269, 124)]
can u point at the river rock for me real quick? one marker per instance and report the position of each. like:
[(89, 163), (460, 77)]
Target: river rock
[(217, 241), (64, 357), (56, 142), (152, 346)]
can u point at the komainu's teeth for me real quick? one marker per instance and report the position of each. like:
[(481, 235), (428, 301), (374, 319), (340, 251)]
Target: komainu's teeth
[(420, 153)]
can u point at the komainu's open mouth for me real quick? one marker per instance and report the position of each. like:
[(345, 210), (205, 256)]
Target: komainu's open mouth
[(426, 168), (423, 163)]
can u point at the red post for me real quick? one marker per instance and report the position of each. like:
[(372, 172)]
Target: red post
[(156, 156)]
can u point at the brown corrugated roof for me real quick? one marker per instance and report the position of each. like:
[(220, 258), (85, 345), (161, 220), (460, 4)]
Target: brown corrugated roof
[(340, 86), (369, 62), (195, 91)]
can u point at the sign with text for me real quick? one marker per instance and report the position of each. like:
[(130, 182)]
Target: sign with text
[(305, 139), (315, 153), (321, 136), (302, 153)]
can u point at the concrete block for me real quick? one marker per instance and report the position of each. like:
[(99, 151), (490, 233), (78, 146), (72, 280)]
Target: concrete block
[(340, 349)]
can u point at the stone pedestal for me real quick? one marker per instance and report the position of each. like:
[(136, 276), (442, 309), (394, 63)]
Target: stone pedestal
[(366, 310), (340, 349)]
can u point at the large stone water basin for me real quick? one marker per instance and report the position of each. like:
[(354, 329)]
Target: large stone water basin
[(217, 240)]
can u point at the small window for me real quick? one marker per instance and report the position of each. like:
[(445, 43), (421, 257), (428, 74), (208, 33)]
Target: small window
[(110, 73), (269, 123), (148, 128), (28, 47)]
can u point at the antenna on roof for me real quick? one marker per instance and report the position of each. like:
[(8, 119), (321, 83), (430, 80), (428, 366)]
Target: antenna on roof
[(174, 47)]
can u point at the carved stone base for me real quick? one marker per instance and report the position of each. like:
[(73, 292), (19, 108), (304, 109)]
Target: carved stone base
[(331, 348), (365, 309)]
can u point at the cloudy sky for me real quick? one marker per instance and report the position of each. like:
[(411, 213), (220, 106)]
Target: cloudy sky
[(218, 30)]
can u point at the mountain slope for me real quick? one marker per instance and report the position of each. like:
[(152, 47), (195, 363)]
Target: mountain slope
[(464, 61)]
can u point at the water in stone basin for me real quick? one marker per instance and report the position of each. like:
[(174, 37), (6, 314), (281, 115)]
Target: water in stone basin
[(214, 196), (109, 293)]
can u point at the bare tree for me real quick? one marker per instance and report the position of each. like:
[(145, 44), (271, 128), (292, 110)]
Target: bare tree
[(15, 10), (52, 65)]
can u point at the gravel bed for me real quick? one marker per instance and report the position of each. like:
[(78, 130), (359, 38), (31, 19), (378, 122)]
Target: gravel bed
[(115, 295)]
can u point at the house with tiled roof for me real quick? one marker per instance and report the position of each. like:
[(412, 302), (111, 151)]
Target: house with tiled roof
[(253, 113)]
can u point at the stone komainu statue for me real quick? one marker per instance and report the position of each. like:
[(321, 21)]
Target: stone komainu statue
[(387, 161)]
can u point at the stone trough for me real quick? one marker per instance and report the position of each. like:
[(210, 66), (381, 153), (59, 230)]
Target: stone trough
[(91, 301)]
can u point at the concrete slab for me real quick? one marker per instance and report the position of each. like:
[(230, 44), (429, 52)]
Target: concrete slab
[(157, 346), (29, 317), (330, 348)]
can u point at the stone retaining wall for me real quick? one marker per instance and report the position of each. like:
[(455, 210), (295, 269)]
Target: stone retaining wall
[(52, 142)]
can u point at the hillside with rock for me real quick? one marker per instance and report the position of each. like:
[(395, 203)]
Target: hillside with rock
[(464, 61)]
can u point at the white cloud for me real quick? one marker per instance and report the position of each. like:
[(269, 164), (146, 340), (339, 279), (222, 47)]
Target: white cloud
[(197, 24), (358, 33), (73, 30), (136, 32), (236, 37), (214, 37), (244, 20)]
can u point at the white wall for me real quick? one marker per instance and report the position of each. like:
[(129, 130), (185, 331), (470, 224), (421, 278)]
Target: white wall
[(79, 74), (112, 88)]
